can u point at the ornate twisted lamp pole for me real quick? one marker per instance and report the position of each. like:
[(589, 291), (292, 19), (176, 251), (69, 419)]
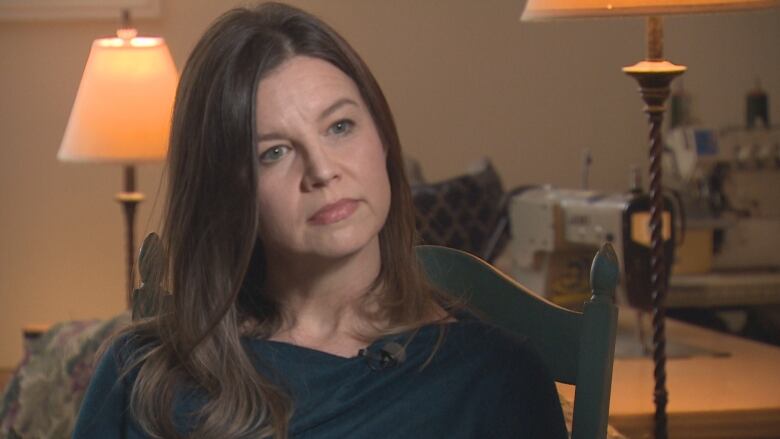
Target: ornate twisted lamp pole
[(654, 76)]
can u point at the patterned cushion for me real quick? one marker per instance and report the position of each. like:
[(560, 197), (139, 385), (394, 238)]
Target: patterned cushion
[(44, 395), (462, 213)]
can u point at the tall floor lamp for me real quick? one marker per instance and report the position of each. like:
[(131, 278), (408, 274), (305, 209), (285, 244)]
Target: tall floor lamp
[(122, 114), (654, 74)]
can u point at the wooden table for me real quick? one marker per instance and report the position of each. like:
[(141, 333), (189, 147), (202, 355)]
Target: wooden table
[(724, 289), (732, 397)]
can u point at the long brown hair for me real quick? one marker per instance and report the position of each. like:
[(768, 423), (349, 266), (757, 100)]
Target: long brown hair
[(215, 264)]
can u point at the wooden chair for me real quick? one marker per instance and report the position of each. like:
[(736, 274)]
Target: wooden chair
[(578, 348)]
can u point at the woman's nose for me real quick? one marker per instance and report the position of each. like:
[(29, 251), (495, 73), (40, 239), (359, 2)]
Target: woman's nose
[(320, 169)]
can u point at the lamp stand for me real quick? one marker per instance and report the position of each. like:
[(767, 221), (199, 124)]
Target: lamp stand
[(129, 199), (654, 76)]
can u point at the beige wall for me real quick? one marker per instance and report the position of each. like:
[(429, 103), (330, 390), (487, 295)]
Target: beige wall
[(464, 78)]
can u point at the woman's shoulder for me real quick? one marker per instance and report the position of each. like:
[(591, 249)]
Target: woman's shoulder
[(493, 367), (104, 408), (123, 351), (499, 356), (117, 363), (470, 345), (472, 333), (522, 385)]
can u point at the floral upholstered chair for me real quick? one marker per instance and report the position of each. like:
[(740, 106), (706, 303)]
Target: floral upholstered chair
[(43, 397)]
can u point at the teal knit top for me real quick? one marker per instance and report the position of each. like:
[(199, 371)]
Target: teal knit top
[(481, 382)]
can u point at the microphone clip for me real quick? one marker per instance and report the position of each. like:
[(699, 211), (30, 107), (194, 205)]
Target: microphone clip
[(389, 355)]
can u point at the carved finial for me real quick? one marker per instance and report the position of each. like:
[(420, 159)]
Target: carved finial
[(150, 258), (605, 273), (150, 266)]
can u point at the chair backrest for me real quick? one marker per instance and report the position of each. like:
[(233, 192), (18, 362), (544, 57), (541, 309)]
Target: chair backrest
[(578, 348)]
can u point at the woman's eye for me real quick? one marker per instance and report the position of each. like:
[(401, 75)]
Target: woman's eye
[(273, 154), (341, 127)]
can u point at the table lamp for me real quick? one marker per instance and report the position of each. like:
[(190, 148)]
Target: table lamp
[(122, 113), (654, 74)]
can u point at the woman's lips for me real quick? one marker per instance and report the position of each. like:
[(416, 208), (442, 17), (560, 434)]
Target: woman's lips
[(333, 213)]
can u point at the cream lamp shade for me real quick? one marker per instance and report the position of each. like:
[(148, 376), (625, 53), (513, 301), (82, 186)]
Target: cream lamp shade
[(123, 107), (553, 9)]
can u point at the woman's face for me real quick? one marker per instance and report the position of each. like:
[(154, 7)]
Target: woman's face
[(323, 188)]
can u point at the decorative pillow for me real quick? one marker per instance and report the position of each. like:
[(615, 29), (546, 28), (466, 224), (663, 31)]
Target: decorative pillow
[(464, 212), (43, 397)]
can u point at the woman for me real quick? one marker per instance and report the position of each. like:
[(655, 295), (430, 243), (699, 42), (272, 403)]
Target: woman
[(298, 308)]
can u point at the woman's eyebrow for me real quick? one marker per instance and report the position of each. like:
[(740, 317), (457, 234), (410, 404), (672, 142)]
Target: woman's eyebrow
[(332, 108), (269, 136), (335, 106)]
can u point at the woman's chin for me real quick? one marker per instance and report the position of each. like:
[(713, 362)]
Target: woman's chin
[(344, 245)]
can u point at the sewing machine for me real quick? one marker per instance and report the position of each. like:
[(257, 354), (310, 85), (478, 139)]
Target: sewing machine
[(555, 233), (728, 181)]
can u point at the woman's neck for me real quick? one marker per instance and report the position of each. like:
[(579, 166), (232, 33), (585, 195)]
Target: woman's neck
[(323, 301)]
